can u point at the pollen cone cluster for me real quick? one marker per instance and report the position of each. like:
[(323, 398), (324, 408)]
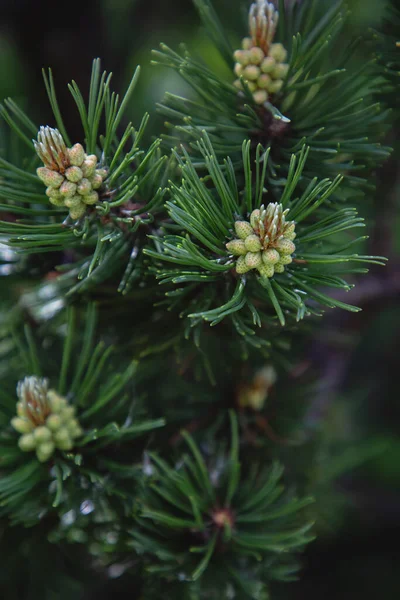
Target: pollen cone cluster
[(265, 243), (70, 174), (254, 394), (260, 62), (45, 419)]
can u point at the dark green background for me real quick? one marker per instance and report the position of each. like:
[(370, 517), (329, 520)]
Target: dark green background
[(357, 555)]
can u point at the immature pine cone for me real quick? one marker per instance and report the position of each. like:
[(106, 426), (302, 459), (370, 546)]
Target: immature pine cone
[(45, 419), (70, 175), (266, 243), (260, 62)]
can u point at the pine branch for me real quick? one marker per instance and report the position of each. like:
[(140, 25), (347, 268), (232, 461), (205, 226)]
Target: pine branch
[(198, 252), (320, 102), (73, 425), (110, 208), (230, 520)]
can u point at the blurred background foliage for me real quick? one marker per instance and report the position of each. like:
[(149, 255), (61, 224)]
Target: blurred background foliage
[(357, 555)]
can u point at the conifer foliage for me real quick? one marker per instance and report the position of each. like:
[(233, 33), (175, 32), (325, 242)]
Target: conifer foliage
[(162, 286)]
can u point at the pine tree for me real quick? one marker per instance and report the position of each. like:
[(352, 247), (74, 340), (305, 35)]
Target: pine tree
[(155, 300)]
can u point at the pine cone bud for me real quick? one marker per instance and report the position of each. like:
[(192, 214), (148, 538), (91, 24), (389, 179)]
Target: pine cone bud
[(256, 55), (251, 72), (252, 243), (253, 260), (260, 55), (58, 201), (74, 174), (270, 257), (275, 86), (44, 451), (254, 217), (239, 56), (88, 167), (77, 212), (252, 85), (84, 187), (243, 229), (91, 198), (68, 189), (280, 71), (96, 180), (73, 201), (260, 96), (50, 178), (69, 172), (238, 69), (285, 260), (278, 52), (241, 266), (247, 43), (254, 394), (54, 422), (51, 149), (268, 64), (27, 442), (63, 440), (57, 403), (266, 240), (263, 81), (285, 246), (102, 172), (278, 268), (236, 247), (53, 193), (76, 155), (266, 270), (22, 425), (45, 419), (42, 434)]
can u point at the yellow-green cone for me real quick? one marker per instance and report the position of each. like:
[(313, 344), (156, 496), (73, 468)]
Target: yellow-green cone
[(71, 176), (265, 243), (260, 61), (45, 419)]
